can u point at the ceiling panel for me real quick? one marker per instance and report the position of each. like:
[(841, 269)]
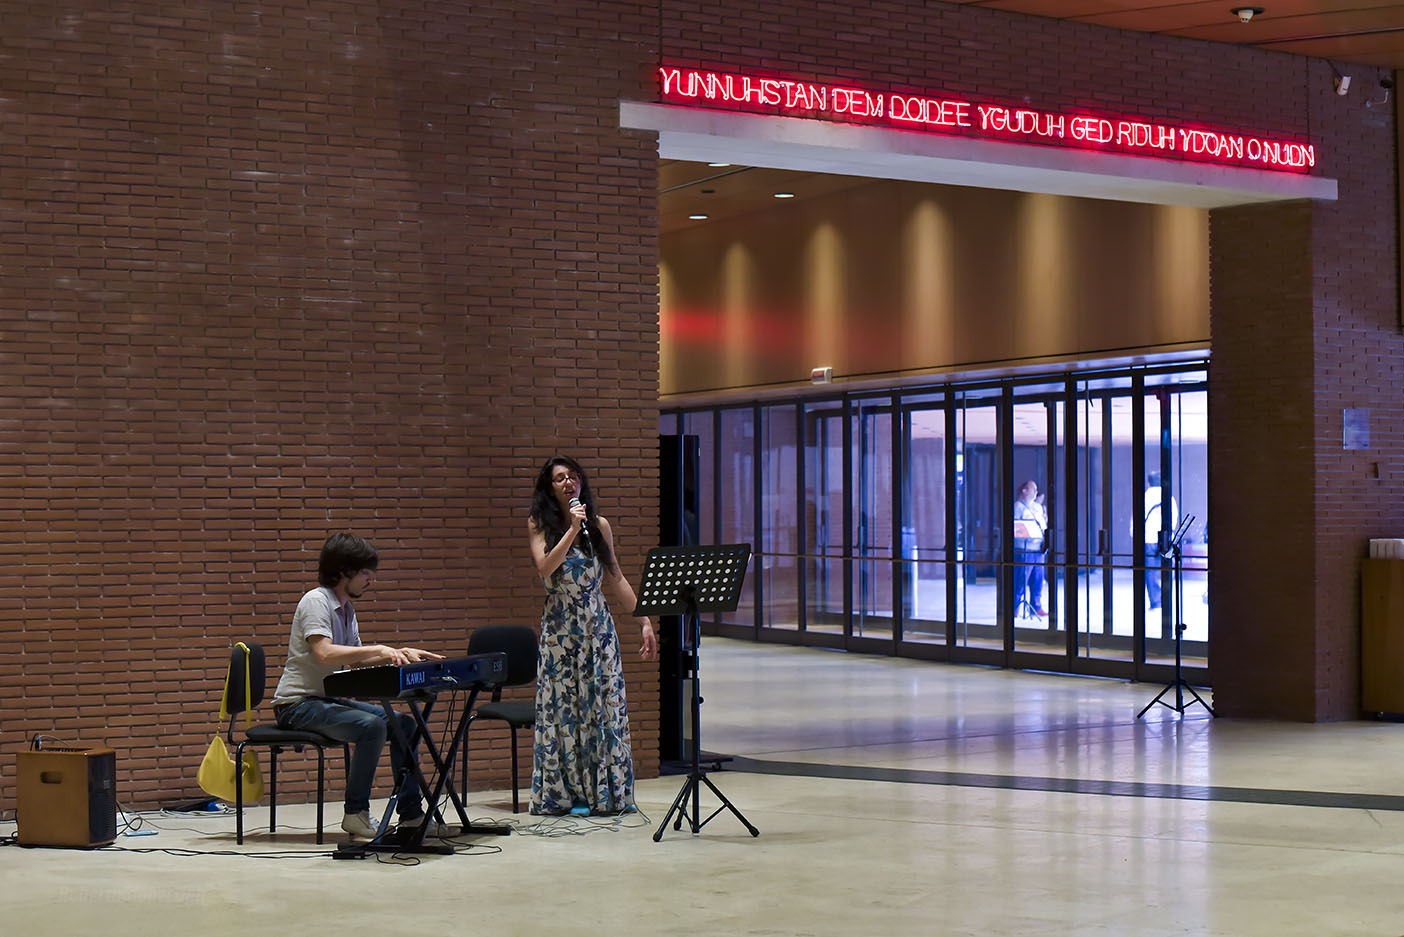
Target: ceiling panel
[(1367, 32), (724, 192), (1383, 50), (1306, 26), (1061, 9)]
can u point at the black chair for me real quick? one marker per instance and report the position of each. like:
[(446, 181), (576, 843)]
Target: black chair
[(274, 738), (518, 642)]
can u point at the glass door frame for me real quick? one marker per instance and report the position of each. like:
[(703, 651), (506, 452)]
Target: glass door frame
[(1002, 394), (864, 409), (1102, 560), (1061, 503), (960, 564), (907, 569), (1167, 469)]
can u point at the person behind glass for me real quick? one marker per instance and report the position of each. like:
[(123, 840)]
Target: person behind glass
[(325, 637), (1155, 561), (1031, 521), (582, 760)]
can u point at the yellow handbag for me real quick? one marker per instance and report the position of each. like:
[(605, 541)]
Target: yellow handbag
[(218, 774)]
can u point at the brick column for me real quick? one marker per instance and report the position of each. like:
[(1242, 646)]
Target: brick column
[(1261, 511)]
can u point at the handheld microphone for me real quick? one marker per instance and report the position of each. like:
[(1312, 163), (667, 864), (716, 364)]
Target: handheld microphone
[(584, 524)]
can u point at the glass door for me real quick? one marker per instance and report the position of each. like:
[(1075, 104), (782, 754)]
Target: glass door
[(825, 471), (872, 531), (903, 520), (1107, 550), (1035, 435), (1176, 501), (736, 503), (979, 495), (924, 556), (780, 511)]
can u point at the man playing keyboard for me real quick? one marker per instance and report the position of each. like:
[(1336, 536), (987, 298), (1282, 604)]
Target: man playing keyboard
[(324, 639)]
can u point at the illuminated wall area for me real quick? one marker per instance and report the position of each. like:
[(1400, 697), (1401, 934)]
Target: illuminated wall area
[(896, 278)]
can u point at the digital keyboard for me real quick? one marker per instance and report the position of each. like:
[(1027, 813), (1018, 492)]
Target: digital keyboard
[(427, 676)]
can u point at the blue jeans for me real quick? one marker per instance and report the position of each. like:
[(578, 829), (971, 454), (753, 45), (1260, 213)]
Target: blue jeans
[(364, 725), (1155, 570), (1028, 576)]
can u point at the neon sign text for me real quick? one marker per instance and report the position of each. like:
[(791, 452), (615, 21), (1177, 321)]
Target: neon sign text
[(972, 118)]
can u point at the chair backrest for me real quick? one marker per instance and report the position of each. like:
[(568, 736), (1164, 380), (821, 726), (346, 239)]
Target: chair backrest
[(518, 642), (234, 701)]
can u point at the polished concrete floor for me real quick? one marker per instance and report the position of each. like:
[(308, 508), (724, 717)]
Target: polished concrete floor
[(892, 797)]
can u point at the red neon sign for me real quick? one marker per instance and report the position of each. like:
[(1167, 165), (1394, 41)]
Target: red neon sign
[(971, 118)]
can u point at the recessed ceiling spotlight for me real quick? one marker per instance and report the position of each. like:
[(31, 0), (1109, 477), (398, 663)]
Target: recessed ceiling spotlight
[(697, 217), (784, 195), (1245, 14), (718, 165)]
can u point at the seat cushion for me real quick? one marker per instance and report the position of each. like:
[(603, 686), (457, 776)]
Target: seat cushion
[(272, 735), (518, 713)]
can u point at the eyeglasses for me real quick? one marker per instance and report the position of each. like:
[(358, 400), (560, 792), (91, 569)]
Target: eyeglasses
[(564, 478)]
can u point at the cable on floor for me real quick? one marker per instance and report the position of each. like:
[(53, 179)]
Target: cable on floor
[(572, 825), (319, 853)]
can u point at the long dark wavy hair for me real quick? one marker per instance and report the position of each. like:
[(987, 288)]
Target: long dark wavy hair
[(546, 514)]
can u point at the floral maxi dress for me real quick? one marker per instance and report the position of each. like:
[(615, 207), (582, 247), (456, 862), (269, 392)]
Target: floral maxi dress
[(582, 755)]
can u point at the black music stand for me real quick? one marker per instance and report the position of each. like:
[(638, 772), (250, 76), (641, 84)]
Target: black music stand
[(686, 581), (1173, 553)]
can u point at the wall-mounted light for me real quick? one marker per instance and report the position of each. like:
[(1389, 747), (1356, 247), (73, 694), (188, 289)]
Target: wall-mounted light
[(821, 375), (718, 165), (784, 195), (697, 217), (1339, 80), (1245, 14)]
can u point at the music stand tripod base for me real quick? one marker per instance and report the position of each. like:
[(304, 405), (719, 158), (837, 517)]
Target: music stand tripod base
[(687, 581), (1181, 704)]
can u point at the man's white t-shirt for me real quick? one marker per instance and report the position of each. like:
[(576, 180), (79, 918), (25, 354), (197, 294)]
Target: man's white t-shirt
[(1153, 512)]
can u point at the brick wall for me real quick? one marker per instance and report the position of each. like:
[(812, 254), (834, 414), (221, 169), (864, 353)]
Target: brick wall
[(1001, 57), (268, 272), (1304, 324), (1359, 363)]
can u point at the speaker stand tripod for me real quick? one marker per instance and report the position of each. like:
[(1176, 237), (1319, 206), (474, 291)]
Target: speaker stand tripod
[(1179, 685)]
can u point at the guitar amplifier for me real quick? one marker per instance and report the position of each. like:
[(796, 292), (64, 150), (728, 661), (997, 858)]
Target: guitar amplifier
[(67, 797)]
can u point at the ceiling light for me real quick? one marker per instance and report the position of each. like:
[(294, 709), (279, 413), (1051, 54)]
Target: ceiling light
[(1245, 14), (784, 195), (697, 217)]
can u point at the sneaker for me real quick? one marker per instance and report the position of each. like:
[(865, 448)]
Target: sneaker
[(359, 825), (436, 829)]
